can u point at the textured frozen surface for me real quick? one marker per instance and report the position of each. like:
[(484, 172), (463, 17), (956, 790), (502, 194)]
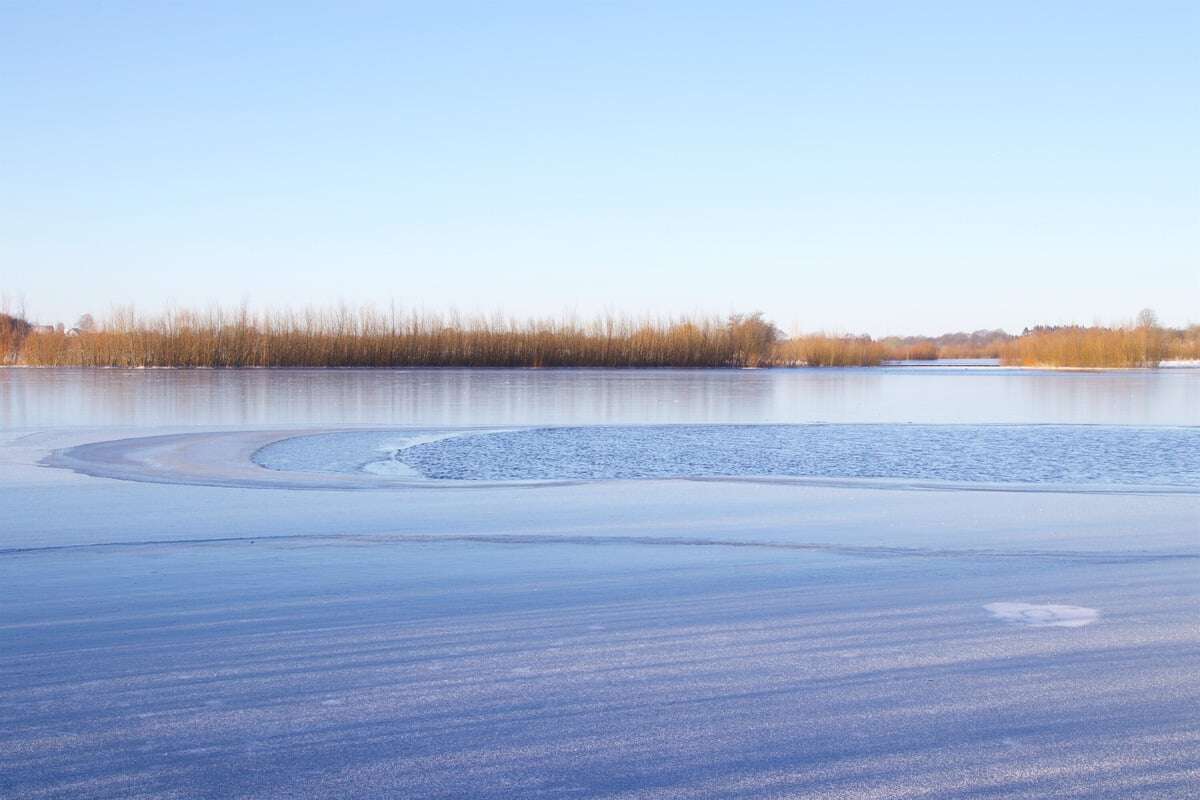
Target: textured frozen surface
[(462, 670), (1044, 616), (640, 639), (636, 640), (1066, 454)]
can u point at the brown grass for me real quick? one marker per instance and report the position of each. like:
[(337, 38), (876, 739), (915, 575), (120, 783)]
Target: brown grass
[(823, 350), (979, 344), (1183, 343), (341, 337), (1097, 347), (911, 350), (13, 331), (368, 337)]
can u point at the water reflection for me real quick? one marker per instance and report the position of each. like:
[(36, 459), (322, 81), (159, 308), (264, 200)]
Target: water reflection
[(57, 397)]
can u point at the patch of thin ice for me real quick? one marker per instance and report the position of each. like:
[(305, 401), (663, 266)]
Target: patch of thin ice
[(1096, 456), (346, 452), (1043, 616), (391, 466)]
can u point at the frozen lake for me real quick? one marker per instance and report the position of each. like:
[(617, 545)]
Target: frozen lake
[(936, 395), (880, 583)]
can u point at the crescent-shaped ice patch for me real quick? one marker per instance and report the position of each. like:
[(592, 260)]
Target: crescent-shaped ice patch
[(1043, 616)]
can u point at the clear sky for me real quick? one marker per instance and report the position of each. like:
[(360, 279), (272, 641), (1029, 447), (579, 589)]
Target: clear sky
[(890, 167)]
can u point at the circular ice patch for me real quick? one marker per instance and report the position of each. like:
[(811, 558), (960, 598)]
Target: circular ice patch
[(1043, 616)]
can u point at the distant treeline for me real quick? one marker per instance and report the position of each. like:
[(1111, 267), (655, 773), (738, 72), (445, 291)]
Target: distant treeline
[(980, 344), (341, 337)]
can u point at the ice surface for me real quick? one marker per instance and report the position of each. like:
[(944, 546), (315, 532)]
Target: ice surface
[(1065, 454), (647, 639), (385, 666), (502, 397), (1044, 616), (351, 451), (229, 631)]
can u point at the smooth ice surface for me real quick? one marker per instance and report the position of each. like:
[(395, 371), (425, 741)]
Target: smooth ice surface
[(504, 397), (347, 451), (196, 638), (1064, 454)]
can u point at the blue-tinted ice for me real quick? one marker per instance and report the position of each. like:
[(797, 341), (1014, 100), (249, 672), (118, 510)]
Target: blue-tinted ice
[(176, 621), (1038, 454)]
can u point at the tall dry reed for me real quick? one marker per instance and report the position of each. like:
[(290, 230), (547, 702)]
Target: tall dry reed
[(369, 337), (13, 331), (341, 337), (1087, 347), (823, 350)]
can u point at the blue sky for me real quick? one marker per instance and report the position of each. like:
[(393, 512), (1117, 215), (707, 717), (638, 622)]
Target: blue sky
[(880, 167)]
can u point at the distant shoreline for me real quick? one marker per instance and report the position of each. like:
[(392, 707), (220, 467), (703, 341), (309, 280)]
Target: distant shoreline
[(1173, 365), (369, 338)]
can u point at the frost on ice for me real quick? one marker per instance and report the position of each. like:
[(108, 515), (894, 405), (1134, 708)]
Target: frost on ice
[(1043, 616)]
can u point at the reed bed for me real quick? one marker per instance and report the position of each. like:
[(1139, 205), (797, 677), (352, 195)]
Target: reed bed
[(368, 337), (1182, 344), (912, 351), (1088, 347), (979, 344), (823, 350), (13, 331)]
